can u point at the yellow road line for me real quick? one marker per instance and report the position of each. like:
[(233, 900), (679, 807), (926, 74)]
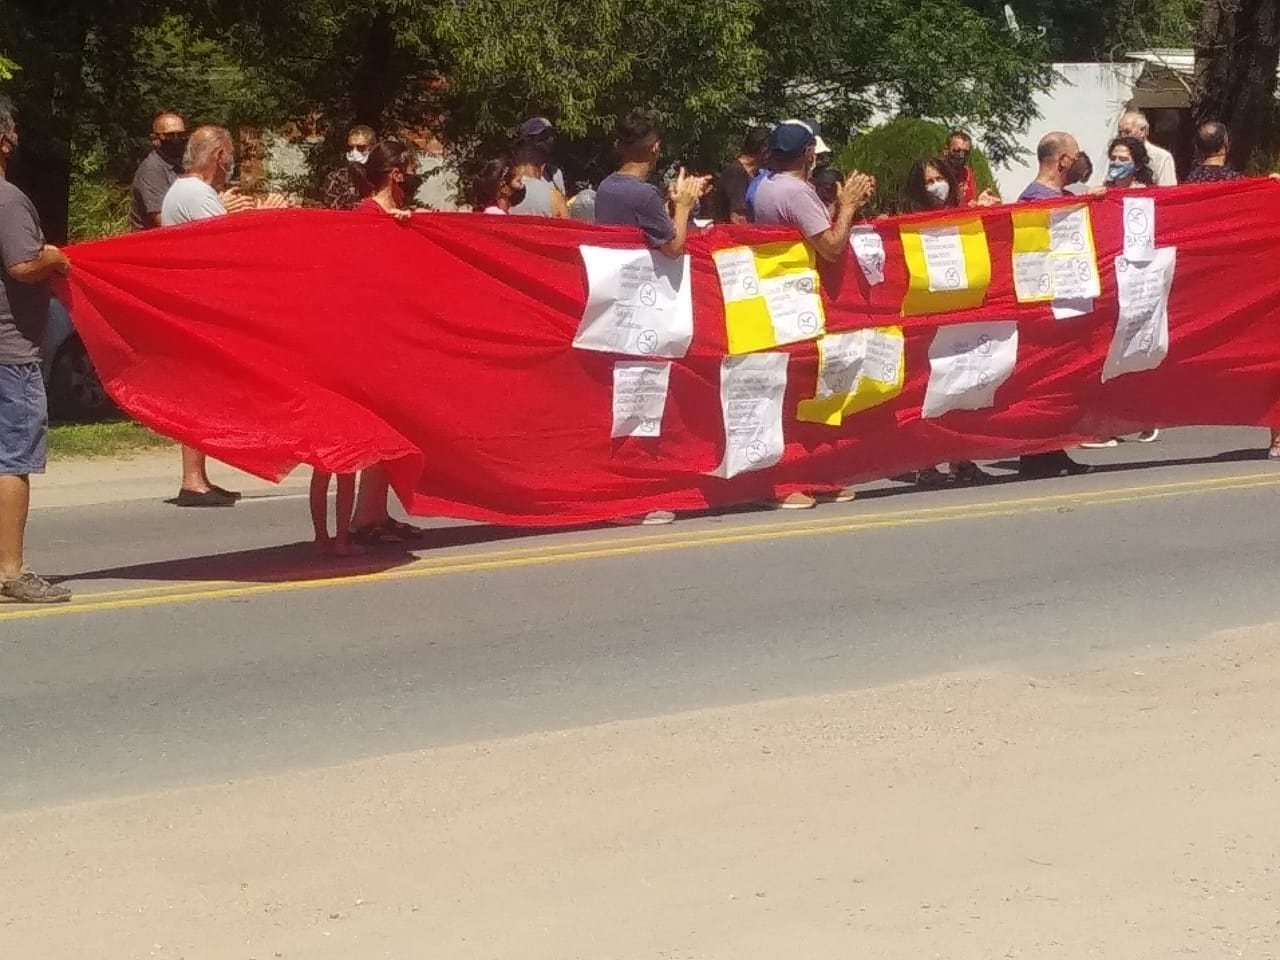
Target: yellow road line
[(163, 595)]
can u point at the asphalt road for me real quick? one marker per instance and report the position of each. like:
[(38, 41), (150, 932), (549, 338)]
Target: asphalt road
[(211, 646)]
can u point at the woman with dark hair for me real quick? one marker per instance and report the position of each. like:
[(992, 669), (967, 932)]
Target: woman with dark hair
[(342, 188), (1129, 164), (933, 184), (389, 179), (497, 187)]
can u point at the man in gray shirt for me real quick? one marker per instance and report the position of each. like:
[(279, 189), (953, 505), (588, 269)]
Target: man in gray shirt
[(157, 171), (787, 197), (27, 264)]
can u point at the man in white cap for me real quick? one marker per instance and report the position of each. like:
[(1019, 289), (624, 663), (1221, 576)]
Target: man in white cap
[(540, 131), (1133, 123)]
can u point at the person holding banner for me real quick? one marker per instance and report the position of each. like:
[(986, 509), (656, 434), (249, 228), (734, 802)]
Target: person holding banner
[(389, 172)]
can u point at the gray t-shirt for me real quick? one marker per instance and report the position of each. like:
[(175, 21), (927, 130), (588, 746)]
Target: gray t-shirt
[(24, 307), (190, 198), (152, 181), (789, 201), (628, 201), (537, 198)]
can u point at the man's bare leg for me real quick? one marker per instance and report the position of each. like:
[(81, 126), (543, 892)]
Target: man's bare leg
[(15, 503), (371, 502), (194, 475)]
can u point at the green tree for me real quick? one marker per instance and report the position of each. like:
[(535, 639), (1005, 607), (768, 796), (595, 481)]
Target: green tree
[(1237, 51)]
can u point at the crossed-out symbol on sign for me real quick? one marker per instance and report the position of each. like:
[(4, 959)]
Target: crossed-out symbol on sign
[(647, 341), (984, 345), (805, 285), (648, 295), (952, 277), (756, 451), (749, 285), (808, 322)]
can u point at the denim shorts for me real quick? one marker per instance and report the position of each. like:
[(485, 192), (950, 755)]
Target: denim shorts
[(24, 420)]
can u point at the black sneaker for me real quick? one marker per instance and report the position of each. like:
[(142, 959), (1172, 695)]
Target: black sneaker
[(31, 588), (209, 498), (233, 494)]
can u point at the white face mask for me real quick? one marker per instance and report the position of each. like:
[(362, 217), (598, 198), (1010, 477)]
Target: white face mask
[(355, 155), (940, 190)]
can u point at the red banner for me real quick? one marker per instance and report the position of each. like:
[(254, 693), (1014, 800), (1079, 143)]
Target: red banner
[(446, 347)]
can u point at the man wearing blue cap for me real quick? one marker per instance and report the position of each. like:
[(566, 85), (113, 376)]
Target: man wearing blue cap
[(539, 130), (787, 197)]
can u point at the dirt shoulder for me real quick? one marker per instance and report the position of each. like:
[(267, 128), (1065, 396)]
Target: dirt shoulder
[(1125, 812)]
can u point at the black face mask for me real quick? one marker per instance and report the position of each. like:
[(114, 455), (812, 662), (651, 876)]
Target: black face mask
[(412, 184), (958, 160), (172, 149), (518, 196)]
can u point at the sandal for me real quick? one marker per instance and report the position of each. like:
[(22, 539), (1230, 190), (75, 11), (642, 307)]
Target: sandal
[(406, 531), (969, 473), (931, 477)]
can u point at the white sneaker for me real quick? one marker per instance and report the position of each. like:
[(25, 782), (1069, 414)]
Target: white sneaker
[(1149, 436), (655, 518), (1101, 444)]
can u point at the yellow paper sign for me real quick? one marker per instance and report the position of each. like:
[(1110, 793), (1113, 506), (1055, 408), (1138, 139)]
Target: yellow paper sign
[(950, 266), (772, 295), (1053, 255), (856, 371)]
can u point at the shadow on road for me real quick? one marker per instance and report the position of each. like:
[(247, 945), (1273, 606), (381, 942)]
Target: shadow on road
[(296, 562)]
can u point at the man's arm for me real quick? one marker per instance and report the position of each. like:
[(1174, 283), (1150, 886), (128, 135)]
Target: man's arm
[(150, 189), (559, 206), (854, 193), (48, 263), (685, 194)]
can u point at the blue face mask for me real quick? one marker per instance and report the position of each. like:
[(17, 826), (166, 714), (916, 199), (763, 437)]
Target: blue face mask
[(1120, 170)]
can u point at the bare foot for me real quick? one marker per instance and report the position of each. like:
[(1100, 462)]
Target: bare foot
[(345, 548)]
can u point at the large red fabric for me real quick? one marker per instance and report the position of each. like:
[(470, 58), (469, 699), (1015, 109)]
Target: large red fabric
[(444, 347)]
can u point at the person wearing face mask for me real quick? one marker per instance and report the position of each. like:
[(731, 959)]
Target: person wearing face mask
[(497, 188), (158, 170), (343, 188), (959, 147), (932, 185), (788, 199), (1058, 153), (209, 162), (1128, 164)]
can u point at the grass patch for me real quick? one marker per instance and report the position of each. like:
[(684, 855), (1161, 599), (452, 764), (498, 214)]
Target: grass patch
[(117, 438)]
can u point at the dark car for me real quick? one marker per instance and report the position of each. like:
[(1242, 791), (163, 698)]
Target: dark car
[(75, 392)]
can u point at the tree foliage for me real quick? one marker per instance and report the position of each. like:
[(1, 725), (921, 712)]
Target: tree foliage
[(1237, 52), (471, 70)]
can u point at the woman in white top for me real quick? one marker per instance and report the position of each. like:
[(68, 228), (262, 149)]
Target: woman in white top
[(497, 187)]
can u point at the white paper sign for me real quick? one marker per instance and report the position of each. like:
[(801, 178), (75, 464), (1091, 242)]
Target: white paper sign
[(1074, 277), (639, 398), (639, 302), (795, 307), (944, 259), (967, 363), (1070, 309), (857, 355), (868, 250), (752, 388), (1069, 230), (1139, 229), (1141, 340), (739, 279), (1032, 276)]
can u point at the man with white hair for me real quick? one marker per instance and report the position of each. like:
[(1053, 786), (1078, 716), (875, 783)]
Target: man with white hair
[(208, 163), (1134, 123)]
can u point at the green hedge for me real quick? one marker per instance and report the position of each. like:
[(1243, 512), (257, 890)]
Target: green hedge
[(888, 152)]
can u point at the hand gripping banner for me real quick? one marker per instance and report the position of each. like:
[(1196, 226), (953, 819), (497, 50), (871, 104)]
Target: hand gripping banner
[(525, 371)]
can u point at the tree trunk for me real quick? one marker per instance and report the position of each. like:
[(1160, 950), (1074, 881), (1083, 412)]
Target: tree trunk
[(1237, 49), (371, 86)]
